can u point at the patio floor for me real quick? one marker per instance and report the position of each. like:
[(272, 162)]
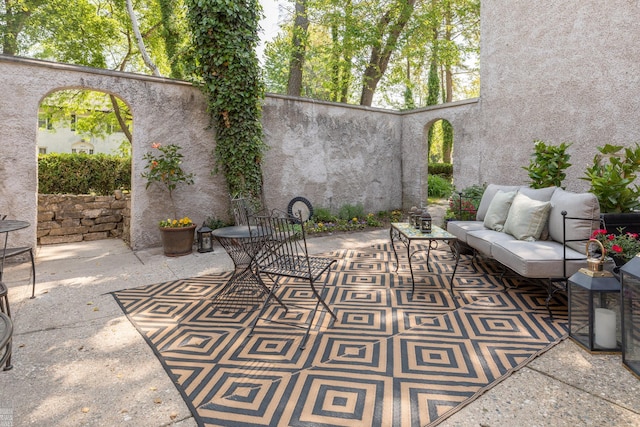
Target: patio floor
[(79, 361)]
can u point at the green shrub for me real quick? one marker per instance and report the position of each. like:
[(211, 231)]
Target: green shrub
[(214, 223), (348, 212), (323, 215), (101, 174), (439, 187), (445, 169)]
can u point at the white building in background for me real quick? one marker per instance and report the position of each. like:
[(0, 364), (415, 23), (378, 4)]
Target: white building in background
[(61, 137)]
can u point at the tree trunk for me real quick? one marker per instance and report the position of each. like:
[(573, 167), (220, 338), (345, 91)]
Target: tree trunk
[(300, 26), (143, 51), (381, 53)]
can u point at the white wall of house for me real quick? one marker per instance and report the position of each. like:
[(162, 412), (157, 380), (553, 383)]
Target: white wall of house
[(61, 138)]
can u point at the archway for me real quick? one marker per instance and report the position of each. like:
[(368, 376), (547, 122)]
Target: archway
[(439, 143), (84, 174)]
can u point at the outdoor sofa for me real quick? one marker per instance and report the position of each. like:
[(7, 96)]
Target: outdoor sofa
[(536, 233)]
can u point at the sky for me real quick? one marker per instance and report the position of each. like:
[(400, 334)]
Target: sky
[(269, 24)]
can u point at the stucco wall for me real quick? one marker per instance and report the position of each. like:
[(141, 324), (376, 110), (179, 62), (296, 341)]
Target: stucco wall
[(332, 155), (556, 71)]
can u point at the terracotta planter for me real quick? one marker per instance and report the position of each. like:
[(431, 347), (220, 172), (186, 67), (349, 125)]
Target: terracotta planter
[(177, 241)]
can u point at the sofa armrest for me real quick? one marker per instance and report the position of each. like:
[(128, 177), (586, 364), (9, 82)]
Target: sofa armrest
[(565, 241)]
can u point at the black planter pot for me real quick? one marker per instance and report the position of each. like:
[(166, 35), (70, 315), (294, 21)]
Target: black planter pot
[(629, 222)]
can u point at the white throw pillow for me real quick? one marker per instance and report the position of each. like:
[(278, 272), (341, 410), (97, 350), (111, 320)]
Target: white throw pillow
[(498, 210), (527, 218)]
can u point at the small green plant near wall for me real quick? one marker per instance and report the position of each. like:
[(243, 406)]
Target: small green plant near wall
[(439, 186), (548, 164), (349, 218), (612, 177)]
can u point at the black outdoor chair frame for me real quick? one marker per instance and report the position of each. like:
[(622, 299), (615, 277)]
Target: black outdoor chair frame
[(11, 252), (285, 254)]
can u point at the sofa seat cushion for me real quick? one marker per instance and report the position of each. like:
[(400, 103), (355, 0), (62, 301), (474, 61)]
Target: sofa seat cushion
[(538, 259), (483, 240), (461, 228)]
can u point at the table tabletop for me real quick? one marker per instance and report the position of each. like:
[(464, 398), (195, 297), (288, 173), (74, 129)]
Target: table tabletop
[(235, 232), (8, 225), (411, 232)]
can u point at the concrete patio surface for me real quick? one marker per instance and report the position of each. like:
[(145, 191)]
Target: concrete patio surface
[(79, 362)]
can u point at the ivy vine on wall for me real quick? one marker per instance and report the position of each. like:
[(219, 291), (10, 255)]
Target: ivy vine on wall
[(225, 36)]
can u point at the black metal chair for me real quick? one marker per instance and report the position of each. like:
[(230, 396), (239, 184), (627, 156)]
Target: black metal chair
[(12, 252), (284, 254), (242, 210), (6, 336)]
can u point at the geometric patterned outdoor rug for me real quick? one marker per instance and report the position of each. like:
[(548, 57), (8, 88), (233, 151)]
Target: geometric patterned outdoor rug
[(391, 358)]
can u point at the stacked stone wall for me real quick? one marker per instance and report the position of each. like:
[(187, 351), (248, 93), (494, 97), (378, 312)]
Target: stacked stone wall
[(64, 218)]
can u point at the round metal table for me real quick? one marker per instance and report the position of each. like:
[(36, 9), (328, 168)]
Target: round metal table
[(245, 290)]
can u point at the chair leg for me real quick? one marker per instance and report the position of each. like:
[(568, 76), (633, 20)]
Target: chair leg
[(33, 273)]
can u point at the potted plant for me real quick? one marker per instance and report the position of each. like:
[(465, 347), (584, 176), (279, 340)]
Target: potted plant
[(612, 177), (548, 164), (621, 247), (164, 168)]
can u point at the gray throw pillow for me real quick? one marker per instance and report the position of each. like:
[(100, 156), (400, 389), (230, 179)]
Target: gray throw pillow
[(527, 218), (498, 210)]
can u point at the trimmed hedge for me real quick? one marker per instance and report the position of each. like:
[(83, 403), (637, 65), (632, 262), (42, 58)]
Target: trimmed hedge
[(100, 174), (445, 169)]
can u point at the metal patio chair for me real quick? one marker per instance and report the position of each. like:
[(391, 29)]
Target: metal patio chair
[(284, 254), (11, 252)]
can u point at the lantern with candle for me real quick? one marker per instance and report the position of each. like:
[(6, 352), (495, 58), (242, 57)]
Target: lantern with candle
[(594, 306)]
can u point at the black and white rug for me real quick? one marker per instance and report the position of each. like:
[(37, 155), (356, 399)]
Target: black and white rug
[(391, 358)]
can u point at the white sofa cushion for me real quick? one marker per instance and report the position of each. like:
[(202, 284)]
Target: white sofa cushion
[(461, 228), (541, 194), (498, 210), (483, 240), (577, 205), (539, 259), (527, 218), (487, 197)]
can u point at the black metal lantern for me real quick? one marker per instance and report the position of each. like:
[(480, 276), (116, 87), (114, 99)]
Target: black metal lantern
[(630, 273), (416, 218), (425, 222), (205, 239), (594, 307)]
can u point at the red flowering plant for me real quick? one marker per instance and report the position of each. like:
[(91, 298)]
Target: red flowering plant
[(622, 246), (164, 167)]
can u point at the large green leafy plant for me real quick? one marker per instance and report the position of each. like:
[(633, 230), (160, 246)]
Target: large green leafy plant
[(612, 181), (547, 165), (225, 35)]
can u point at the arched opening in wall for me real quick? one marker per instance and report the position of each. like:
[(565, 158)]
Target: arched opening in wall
[(439, 140), (84, 167)]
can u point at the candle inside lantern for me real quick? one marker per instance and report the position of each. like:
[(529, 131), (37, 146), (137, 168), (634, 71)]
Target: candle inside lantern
[(605, 328)]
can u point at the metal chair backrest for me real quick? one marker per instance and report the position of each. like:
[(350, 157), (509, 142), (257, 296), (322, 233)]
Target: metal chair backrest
[(241, 210), (284, 245)]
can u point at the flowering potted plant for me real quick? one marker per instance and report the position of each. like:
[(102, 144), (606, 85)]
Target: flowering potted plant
[(621, 247), (164, 168)]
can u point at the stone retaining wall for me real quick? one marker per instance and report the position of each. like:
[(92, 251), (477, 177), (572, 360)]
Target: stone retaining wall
[(65, 218)]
